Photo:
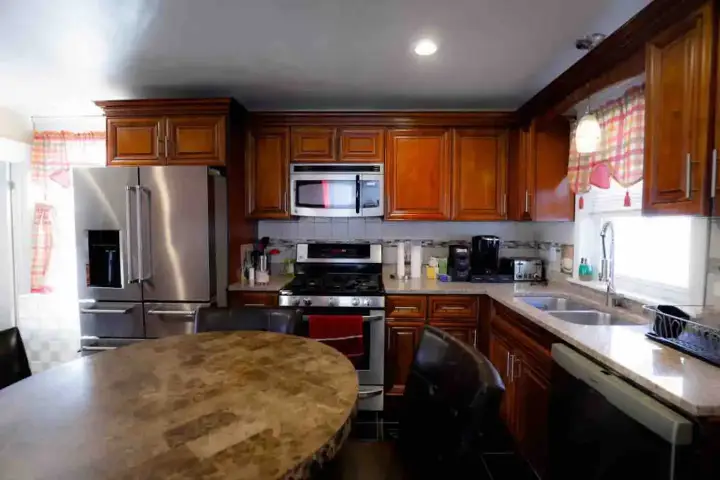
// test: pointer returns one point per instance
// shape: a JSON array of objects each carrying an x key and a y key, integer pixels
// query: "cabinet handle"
[
  {"x": 475, "y": 338},
  {"x": 166, "y": 145},
  {"x": 504, "y": 205},
  {"x": 508, "y": 370},
  {"x": 527, "y": 201},
  {"x": 412, "y": 309},
  {"x": 254, "y": 305},
  {"x": 161, "y": 153},
  {"x": 519, "y": 364},
  {"x": 713, "y": 178},
  {"x": 452, "y": 307},
  {"x": 688, "y": 176}
]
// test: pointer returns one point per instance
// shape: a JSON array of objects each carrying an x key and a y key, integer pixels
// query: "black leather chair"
[
  {"x": 452, "y": 399},
  {"x": 278, "y": 320},
  {"x": 14, "y": 365}
]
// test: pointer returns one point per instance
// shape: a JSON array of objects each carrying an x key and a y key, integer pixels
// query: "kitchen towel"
[{"x": 342, "y": 332}]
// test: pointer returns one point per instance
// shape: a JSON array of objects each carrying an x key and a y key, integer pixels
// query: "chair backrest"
[
  {"x": 452, "y": 395},
  {"x": 214, "y": 319},
  {"x": 14, "y": 365}
]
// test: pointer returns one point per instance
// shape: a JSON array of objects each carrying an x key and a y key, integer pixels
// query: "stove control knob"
[
  {"x": 366, "y": 302},
  {"x": 355, "y": 302},
  {"x": 296, "y": 302},
  {"x": 307, "y": 302},
  {"x": 332, "y": 302}
]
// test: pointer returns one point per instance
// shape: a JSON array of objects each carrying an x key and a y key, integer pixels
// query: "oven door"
[
  {"x": 337, "y": 195},
  {"x": 370, "y": 366}
]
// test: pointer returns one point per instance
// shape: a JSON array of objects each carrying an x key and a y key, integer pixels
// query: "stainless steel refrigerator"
[{"x": 151, "y": 250}]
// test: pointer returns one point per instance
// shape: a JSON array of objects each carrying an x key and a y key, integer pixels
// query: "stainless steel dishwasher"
[{"x": 601, "y": 427}]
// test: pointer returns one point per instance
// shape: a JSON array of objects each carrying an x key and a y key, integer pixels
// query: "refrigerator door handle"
[
  {"x": 142, "y": 236},
  {"x": 139, "y": 237},
  {"x": 128, "y": 234}
]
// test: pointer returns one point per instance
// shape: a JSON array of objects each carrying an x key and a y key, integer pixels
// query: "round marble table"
[{"x": 241, "y": 405}]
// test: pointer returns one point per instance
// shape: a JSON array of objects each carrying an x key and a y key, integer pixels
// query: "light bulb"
[{"x": 588, "y": 134}]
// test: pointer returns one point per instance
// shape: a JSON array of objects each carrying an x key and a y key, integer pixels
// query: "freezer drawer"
[
  {"x": 93, "y": 345},
  {"x": 111, "y": 319},
  {"x": 167, "y": 319}
]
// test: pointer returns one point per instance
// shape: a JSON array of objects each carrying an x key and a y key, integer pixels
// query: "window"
[{"x": 656, "y": 258}]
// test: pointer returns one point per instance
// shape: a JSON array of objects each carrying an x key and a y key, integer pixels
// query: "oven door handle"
[{"x": 363, "y": 394}]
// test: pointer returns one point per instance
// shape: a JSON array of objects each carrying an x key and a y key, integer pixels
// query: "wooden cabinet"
[
  {"x": 169, "y": 132},
  {"x": 453, "y": 306},
  {"x": 193, "y": 140},
  {"x": 362, "y": 145},
  {"x": 479, "y": 174},
  {"x": 406, "y": 306},
  {"x": 539, "y": 189},
  {"x": 679, "y": 69},
  {"x": 266, "y": 173},
  {"x": 314, "y": 144},
  {"x": 520, "y": 352},
  {"x": 417, "y": 174},
  {"x": 402, "y": 340},
  {"x": 253, "y": 299},
  {"x": 135, "y": 141},
  {"x": 465, "y": 331}
]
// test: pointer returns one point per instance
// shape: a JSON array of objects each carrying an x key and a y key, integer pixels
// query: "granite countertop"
[
  {"x": 276, "y": 283},
  {"x": 251, "y": 405},
  {"x": 684, "y": 381}
]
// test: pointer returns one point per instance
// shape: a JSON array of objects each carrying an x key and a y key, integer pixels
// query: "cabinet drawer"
[
  {"x": 449, "y": 306},
  {"x": 253, "y": 299},
  {"x": 406, "y": 306}
]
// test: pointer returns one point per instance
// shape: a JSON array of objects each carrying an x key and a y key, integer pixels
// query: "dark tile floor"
[{"x": 370, "y": 454}]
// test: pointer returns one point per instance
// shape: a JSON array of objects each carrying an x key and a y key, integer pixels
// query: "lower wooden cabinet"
[
  {"x": 464, "y": 331},
  {"x": 500, "y": 357},
  {"x": 253, "y": 299},
  {"x": 402, "y": 340}
]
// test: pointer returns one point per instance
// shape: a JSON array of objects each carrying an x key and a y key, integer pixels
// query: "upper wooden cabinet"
[
  {"x": 479, "y": 174},
  {"x": 314, "y": 144},
  {"x": 135, "y": 141},
  {"x": 168, "y": 132},
  {"x": 193, "y": 140},
  {"x": 266, "y": 172},
  {"x": 417, "y": 174},
  {"x": 539, "y": 188},
  {"x": 362, "y": 145},
  {"x": 679, "y": 70}
]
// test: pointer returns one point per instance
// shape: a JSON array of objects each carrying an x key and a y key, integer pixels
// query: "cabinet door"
[
  {"x": 266, "y": 173},
  {"x": 521, "y": 173},
  {"x": 314, "y": 144},
  {"x": 500, "y": 353},
  {"x": 135, "y": 141},
  {"x": 550, "y": 196},
  {"x": 362, "y": 145},
  {"x": 195, "y": 140},
  {"x": 532, "y": 394},
  {"x": 417, "y": 177},
  {"x": 479, "y": 169},
  {"x": 678, "y": 106},
  {"x": 464, "y": 331},
  {"x": 253, "y": 299},
  {"x": 402, "y": 340}
]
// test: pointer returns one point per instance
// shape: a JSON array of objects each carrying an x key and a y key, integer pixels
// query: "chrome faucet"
[{"x": 607, "y": 267}]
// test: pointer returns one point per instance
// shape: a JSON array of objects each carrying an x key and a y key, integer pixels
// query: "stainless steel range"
[{"x": 345, "y": 279}]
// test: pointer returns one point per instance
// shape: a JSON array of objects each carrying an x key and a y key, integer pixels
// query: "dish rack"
[{"x": 674, "y": 328}]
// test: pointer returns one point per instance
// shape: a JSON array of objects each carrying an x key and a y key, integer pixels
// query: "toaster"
[{"x": 526, "y": 269}]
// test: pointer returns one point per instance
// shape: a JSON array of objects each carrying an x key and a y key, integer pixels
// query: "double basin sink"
[{"x": 572, "y": 311}]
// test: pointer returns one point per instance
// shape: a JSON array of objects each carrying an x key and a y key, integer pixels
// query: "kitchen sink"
[
  {"x": 555, "y": 303},
  {"x": 591, "y": 317}
]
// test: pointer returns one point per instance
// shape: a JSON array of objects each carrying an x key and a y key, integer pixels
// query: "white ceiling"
[{"x": 57, "y": 56}]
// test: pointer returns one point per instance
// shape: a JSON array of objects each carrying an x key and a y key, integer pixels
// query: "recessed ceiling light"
[{"x": 425, "y": 47}]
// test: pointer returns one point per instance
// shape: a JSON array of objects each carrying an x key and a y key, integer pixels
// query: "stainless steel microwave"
[{"x": 337, "y": 190}]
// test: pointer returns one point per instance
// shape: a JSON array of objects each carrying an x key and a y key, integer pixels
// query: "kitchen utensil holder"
[{"x": 674, "y": 328}]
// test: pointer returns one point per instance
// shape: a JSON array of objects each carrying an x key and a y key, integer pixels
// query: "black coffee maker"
[
  {"x": 459, "y": 263},
  {"x": 485, "y": 255}
]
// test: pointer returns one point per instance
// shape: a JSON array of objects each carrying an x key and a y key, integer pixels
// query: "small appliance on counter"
[
  {"x": 485, "y": 261},
  {"x": 523, "y": 269},
  {"x": 458, "y": 263}
]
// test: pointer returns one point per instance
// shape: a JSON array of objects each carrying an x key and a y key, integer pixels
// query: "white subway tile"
[
  {"x": 340, "y": 231},
  {"x": 323, "y": 231}
]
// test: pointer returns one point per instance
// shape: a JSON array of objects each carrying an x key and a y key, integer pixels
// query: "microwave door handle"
[{"x": 357, "y": 194}]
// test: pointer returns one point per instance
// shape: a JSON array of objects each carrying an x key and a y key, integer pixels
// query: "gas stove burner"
[{"x": 336, "y": 284}]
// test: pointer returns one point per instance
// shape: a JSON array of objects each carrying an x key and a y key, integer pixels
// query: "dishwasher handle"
[{"x": 656, "y": 417}]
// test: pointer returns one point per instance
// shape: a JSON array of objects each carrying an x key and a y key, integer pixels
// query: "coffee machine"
[
  {"x": 459, "y": 264},
  {"x": 485, "y": 255}
]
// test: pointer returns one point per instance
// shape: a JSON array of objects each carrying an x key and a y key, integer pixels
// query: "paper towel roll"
[
  {"x": 416, "y": 261},
  {"x": 400, "y": 261}
]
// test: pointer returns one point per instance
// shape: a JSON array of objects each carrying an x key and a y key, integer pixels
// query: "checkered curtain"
[
  {"x": 622, "y": 147},
  {"x": 53, "y": 153}
]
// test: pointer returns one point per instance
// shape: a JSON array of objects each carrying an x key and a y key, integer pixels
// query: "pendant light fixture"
[{"x": 588, "y": 132}]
